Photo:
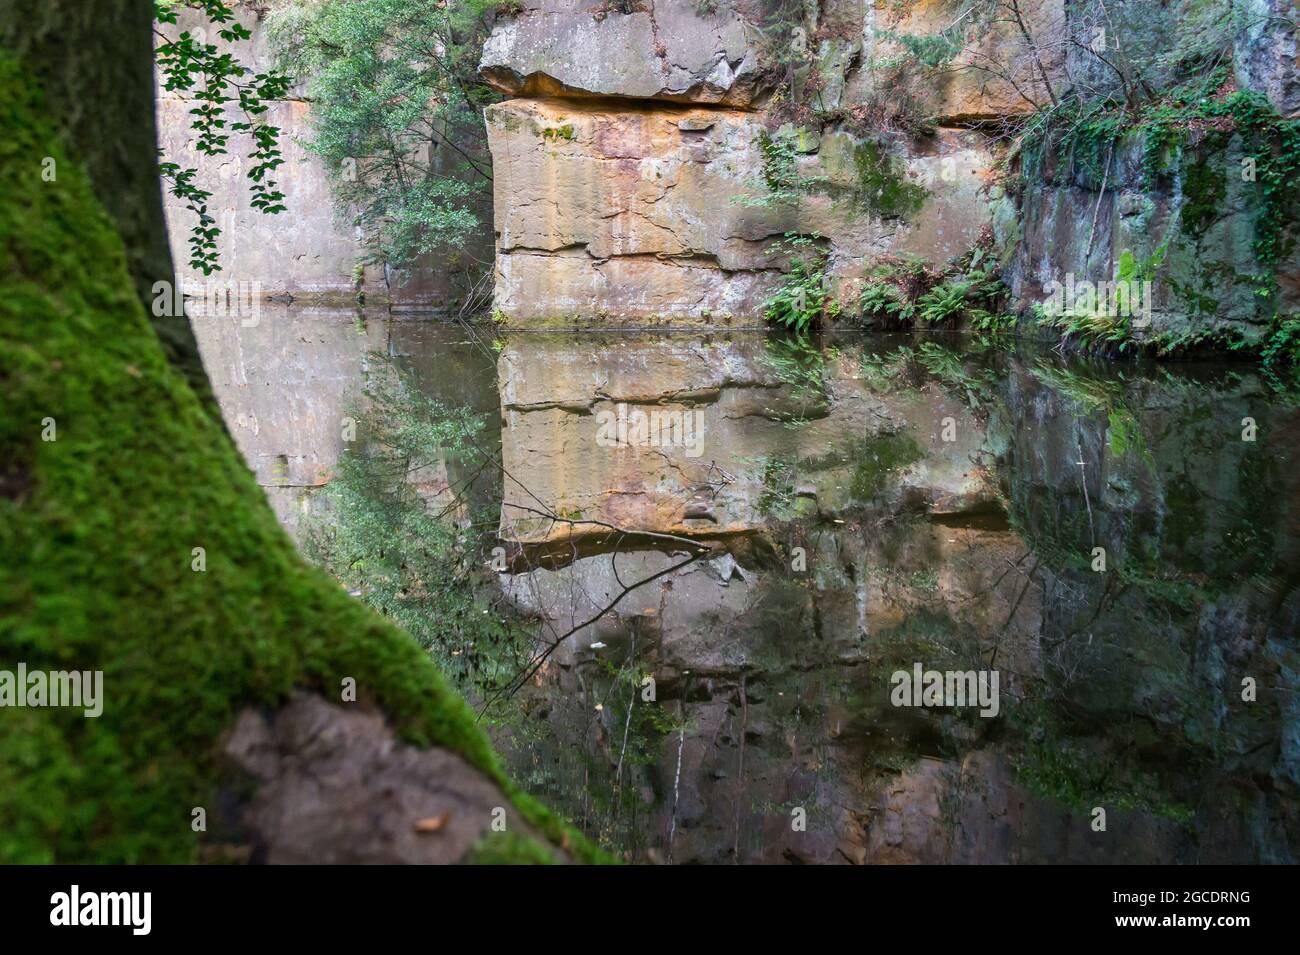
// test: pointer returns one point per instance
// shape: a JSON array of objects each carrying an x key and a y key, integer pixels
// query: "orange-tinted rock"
[{"x": 607, "y": 215}]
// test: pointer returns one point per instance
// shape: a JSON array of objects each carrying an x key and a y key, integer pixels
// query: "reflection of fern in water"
[
  {"x": 1091, "y": 394},
  {"x": 777, "y": 498},
  {"x": 883, "y": 372},
  {"x": 947, "y": 367},
  {"x": 799, "y": 363},
  {"x": 931, "y": 361},
  {"x": 873, "y": 465}
]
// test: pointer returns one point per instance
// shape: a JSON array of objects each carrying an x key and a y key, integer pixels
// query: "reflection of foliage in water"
[
  {"x": 1098, "y": 394},
  {"x": 798, "y": 362},
  {"x": 777, "y": 497},
  {"x": 931, "y": 361},
  {"x": 877, "y": 460},
  {"x": 873, "y": 464},
  {"x": 949, "y": 369},
  {"x": 1127, "y": 649},
  {"x": 594, "y": 755},
  {"x": 405, "y": 542},
  {"x": 1112, "y": 711},
  {"x": 409, "y": 539},
  {"x": 883, "y": 372},
  {"x": 1067, "y": 768}
]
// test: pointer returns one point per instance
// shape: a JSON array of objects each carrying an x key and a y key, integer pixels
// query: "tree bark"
[{"x": 94, "y": 60}]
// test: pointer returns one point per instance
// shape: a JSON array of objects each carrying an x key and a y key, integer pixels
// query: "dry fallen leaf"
[{"x": 433, "y": 823}]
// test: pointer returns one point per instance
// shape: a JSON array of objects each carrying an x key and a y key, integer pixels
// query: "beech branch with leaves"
[{"x": 213, "y": 80}]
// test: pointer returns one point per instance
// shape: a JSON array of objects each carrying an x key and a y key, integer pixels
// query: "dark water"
[{"x": 1113, "y": 547}]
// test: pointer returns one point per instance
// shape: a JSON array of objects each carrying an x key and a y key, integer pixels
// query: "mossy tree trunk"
[
  {"x": 94, "y": 61},
  {"x": 135, "y": 545}
]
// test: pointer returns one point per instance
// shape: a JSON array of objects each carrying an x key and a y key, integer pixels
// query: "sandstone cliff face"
[
  {"x": 988, "y": 81},
  {"x": 632, "y": 171},
  {"x": 307, "y": 252},
  {"x": 609, "y": 214},
  {"x": 659, "y": 51}
]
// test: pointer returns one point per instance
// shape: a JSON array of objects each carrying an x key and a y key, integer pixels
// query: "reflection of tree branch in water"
[
  {"x": 535, "y": 664},
  {"x": 542, "y": 510},
  {"x": 1029, "y": 579},
  {"x": 539, "y": 659},
  {"x": 1057, "y": 649},
  {"x": 627, "y": 724},
  {"x": 740, "y": 767},
  {"x": 677, "y": 778},
  {"x": 458, "y": 490}
]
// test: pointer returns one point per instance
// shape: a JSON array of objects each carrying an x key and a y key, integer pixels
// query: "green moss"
[
  {"x": 1168, "y": 129},
  {"x": 1229, "y": 162},
  {"x": 1056, "y": 766},
  {"x": 1204, "y": 188},
  {"x": 883, "y": 189},
  {"x": 880, "y": 460},
  {"x": 96, "y": 537},
  {"x": 508, "y": 848},
  {"x": 1270, "y": 141},
  {"x": 559, "y": 132}
]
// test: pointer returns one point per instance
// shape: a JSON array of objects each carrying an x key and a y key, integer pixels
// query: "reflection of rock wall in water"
[
  {"x": 741, "y": 647},
  {"x": 852, "y": 540},
  {"x": 792, "y": 664},
  {"x": 284, "y": 385},
  {"x": 1200, "y": 530},
  {"x": 744, "y": 394},
  {"x": 289, "y": 378},
  {"x": 1119, "y": 689}
]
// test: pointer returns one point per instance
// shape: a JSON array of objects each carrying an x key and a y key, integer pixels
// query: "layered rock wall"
[
  {"x": 1187, "y": 202},
  {"x": 635, "y": 169},
  {"x": 1191, "y": 226},
  {"x": 609, "y": 213},
  {"x": 657, "y": 155}
]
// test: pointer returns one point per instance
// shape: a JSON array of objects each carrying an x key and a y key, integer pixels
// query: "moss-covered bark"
[
  {"x": 97, "y": 531},
  {"x": 94, "y": 61}
]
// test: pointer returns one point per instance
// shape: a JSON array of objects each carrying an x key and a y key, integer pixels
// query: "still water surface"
[{"x": 1104, "y": 554}]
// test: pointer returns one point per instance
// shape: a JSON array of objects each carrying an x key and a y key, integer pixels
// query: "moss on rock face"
[
  {"x": 880, "y": 460},
  {"x": 883, "y": 189},
  {"x": 97, "y": 535},
  {"x": 559, "y": 132},
  {"x": 1201, "y": 183},
  {"x": 1204, "y": 190}
]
